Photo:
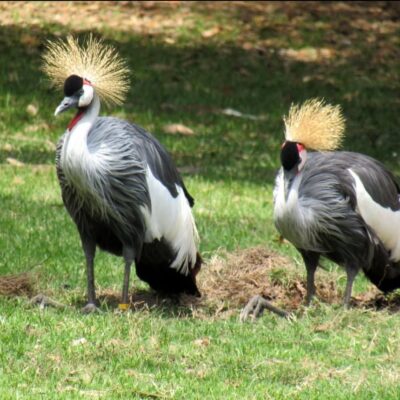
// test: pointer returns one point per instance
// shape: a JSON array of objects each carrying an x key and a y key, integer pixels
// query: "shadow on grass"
[{"x": 191, "y": 84}]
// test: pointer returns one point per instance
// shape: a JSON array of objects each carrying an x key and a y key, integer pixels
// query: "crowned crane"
[
  {"x": 118, "y": 183},
  {"x": 341, "y": 205}
]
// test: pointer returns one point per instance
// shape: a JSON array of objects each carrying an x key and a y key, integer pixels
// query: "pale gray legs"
[
  {"x": 89, "y": 248},
  {"x": 311, "y": 262},
  {"x": 257, "y": 304},
  {"x": 129, "y": 257},
  {"x": 351, "y": 275}
]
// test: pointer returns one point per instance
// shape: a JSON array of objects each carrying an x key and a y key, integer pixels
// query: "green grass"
[{"x": 327, "y": 353}]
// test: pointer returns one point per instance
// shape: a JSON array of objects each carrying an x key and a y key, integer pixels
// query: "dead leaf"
[
  {"x": 86, "y": 378},
  {"x": 14, "y": 162},
  {"x": 32, "y": 110},
  {"x": 198, "y": 373},
  {"x": 78, "y": 342},
  {"x": 323, "y": 328},
  {"x": 247, "y": 46},
  {"x": 202, "y": 342},
  {"x": 30, "y": 40},
  {"x": 300, "y": 288},
  {"x": 7, "y": 147},
  {"x": 243, "y": 71},
  {"x": 210, "y": 32},
  {"x": 160, "y": 67},
  {"x": 17, "y": 181},
  {"x": 235, "y": 113},
  {"x": 13, "y": 76},
  {"x": 180, "y": 129},
  {"x": 148, "y": 5},
  {"x": 307, "y": 54},
  {"x": 169, "y": 40}
]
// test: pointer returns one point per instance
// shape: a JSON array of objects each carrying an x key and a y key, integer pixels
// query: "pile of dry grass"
[
  {"x": 228, "y": 281},
  {"x": 16, "y": 285}
]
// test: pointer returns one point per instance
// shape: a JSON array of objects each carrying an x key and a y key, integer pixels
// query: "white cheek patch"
[
  {"x": 383, "y": 220},
  {"x": 87, "y": 96},
  {"x": 303, "y": 158}
]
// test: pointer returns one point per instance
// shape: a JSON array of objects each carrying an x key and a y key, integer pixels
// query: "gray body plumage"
[
  {"x": 317, "y": 211},
  {"x": 108, "y": 198},
  {"x": 115, "y": 196},
  {"x": 118, "y": 183}
]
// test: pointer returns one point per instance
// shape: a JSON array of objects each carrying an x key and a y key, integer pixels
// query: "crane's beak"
[{"x": 68, "y": 102}]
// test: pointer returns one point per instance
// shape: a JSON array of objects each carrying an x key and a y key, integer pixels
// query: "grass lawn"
[{"x": 192, "y": 63}]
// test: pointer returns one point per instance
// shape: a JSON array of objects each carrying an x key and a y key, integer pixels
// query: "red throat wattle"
[
  {"x": 75, "y": 120},
  {"x": 80, "y": 113}
]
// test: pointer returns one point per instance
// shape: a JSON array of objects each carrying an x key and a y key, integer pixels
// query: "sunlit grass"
[{"x": 229, "y": 164}]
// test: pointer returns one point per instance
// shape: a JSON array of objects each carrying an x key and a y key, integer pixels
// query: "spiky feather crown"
[
  {"x": 100, "y": 64},
  {"x": 315, "y": 124}
]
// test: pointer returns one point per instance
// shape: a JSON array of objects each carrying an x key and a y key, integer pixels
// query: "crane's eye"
[{"x": 81, "y": 92}]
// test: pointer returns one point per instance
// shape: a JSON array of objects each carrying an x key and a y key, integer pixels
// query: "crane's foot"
[
  {"x": 347, "y": 304},
  {"x": 257, "y": 305},
  {"x": 122, "y": 308},
  {"x": 43, "y": 301},
  {"x": 308, "y": 300},
  {"x": 90, "y": 308}
]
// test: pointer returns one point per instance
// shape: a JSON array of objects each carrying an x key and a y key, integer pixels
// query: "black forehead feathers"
[
  {"x": 72, "y": 84},
  {"x": 289, "y": 155}
]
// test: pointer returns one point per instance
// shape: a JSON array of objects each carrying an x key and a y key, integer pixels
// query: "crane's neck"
[{"x": 76, "y": 159}]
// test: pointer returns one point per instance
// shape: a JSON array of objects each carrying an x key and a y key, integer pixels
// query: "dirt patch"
[{"x": 228, "y": 281}]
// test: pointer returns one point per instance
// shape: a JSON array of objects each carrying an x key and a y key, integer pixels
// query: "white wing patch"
[
  {"x": 171, "y": 218},
  {"x": 384, "y": 221}
]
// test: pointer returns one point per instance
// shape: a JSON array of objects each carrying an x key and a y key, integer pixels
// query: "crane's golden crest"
[
  {"x": 315, "y": 124},
  {"x": 94, "y": 61}
]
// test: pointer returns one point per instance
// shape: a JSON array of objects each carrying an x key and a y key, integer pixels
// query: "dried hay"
[
  {"x": 16, "y": 285},
  {"x": 227, "y": 283},
  {"x": 229, "y": 280}
]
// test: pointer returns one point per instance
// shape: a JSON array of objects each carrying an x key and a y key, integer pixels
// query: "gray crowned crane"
[
  {"x": 118, "y": 183},
  {"x": 341, "y": 205}
]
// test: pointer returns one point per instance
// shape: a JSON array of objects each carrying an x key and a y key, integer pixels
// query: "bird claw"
[
  {"x": 90, "y": 308},
  {"x": 256, "y": 306},
  {"x": 250, "y": 309},
  {"x": 43, "y": 301}
]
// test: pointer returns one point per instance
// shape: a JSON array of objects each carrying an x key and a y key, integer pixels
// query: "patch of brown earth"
[{"x": 228, "y": 281}]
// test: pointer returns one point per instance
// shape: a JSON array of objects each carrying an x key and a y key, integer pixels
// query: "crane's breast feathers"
[
  {"x": 317, "y": 205},
  {"x": 126, "y": 177},
  {"x": 311, "y": 209}
]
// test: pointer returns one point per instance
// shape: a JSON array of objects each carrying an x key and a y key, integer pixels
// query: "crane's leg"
[
  {"x": 351, "y": 275},
  {"x": 89, "y": 248},
  {"x": 129, "y": 257},
  {"x": 311, "y": 261}
]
